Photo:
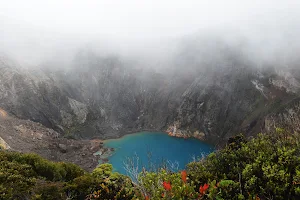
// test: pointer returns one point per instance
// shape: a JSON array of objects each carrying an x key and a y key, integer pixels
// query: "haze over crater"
[
  {"x": 204, "y": 69},
  {"x": 35, "y": 31}
]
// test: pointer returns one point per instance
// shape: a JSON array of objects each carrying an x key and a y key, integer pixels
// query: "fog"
[{"x": 35, "y": 32}]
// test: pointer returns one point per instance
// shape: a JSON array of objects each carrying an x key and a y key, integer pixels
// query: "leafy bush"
[
  {"x": 20, "y": 172},
  {"x": 265, "y": 167},
  {"x": 16, "y": 180},
  {"x": 102, "y": 183},
  {"x": 43, "y": 168},
  {"x": 165, "y": 184},
  {"x": 111, "y": 185},
  {"x": 49, "y": 191}
]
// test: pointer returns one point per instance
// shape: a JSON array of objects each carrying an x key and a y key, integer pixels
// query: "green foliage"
[
  {"x": 16, "y": 180},
  {"x": 20, "y": 172},
  {"x": 43, "y": 168},
  {"x": 102, "y": 183},
  {"x": 70, "y": 171},
  {"x": 29, "y": 176},
  {"x": 49, "y": 191},
  {"x": 265, "y": 167},
  {"x": 103, "y": 171},
  {"x": 152, "y": 186},
  {"x": 81, "y": 186},
  {"x": 111, "y": 185}
]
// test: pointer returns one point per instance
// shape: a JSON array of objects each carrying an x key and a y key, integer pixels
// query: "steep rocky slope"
[
  {"x": 105, "y": 97},
  {"x": 27, "y": 136},
  {"x": 238, "y": 100}
]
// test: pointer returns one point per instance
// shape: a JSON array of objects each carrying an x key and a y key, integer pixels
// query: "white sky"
[
  {"x": 37, "y": 30},
  {"x": 144, "y": 19}
]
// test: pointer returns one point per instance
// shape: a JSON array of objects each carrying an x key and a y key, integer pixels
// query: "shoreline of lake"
[
  {"x": 159, "y": 131},
  {"x": 161, "y": 143}
]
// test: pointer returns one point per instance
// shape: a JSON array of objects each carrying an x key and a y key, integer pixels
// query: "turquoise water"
[{"x": 160, "y": 146}]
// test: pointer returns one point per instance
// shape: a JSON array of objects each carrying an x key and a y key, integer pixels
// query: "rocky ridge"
[
  {"x": 27, "y": 136},
  {"x": 106, "y": 97}
]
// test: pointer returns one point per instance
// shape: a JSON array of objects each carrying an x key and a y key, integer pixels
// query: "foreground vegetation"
[{"x": 266, "y": 167}]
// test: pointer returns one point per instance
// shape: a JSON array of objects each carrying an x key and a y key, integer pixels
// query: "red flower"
[
  {"x": 167, "y": 185},
  {"x": 147, "y": 197},
  {"x": 203, "y": 188},
  {"x": 183, "y": 176},
  {"x": 163, "y": 195}
]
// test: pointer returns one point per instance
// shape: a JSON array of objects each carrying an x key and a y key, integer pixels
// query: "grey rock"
[
  {"x": 108, "y": 98},
  {"x": 63, "y": 148}
]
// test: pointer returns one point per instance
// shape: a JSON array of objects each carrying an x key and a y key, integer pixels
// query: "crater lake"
[{"x": 153, "y": 150}]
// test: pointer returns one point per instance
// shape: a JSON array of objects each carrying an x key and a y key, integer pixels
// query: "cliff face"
[
  {"x": 106, "y": 97},
  {"x": 237, "y": 100}
]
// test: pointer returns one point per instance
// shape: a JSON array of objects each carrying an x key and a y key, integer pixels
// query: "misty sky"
[
  {"x": 147, "y": 19},
  {"x": 32, "y": 31}
]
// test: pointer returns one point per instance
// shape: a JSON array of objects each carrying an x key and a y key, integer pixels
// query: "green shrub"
[
  {"x": 16, "y": 180},
  {"x": 49, "y": 191},
  {"x": 265, "y": 167},
  {"x": 19, "y": 173},
  {"x": 111, "y": 185},
  {"x": 167, "y": 185}
]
